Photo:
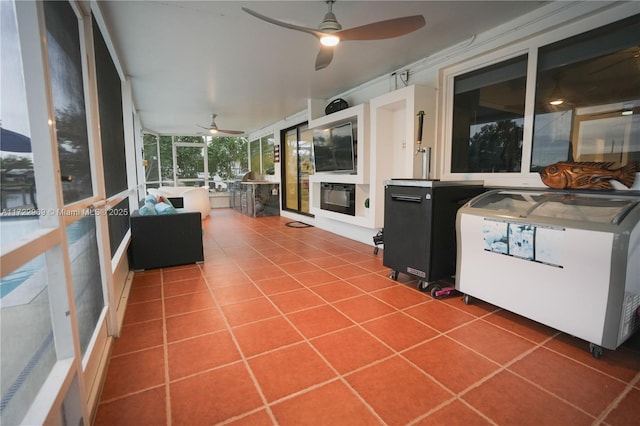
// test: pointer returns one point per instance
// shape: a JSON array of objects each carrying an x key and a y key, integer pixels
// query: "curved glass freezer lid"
[{"x": 587, "y": 207}]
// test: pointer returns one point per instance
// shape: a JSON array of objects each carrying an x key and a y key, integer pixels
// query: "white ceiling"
[{"x": 188, "y": 59}]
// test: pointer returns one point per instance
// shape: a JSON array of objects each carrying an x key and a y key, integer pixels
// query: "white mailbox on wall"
[{"x": 566, "y": 259}]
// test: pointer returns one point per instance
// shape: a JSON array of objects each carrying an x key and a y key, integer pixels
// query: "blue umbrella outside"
[{"x": 14, "y": 142}]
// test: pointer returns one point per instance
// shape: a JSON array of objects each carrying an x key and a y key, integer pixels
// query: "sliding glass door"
[{"x": 298, "y": 166}]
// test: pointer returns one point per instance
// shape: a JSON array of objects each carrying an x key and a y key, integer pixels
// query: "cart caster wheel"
[
  {"x": 423, "y": 285},
  {"x": 435, "y": 289},
  {"x": 466, "y": 299},
  {"x": 596, "y": 351},
  {"x": 394, "y": 275},
  {"x": 375, "y": 250}
]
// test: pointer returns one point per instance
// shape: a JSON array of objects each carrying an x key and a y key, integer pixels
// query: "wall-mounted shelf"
[
  {"x": 386, "y": 133},
  {"x": 359, "y": 115}
]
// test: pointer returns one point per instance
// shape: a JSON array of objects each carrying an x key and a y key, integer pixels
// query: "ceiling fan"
[
  {"x": 330, "y": 32},
  {"x": 213, "y": 127}
]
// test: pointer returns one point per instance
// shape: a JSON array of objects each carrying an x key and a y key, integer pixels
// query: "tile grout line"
[
  {"x": 339, "y": 376},
  {"x": 541, "y": 345},
  {"x": 359, "y": 325},
  {"x": 165, "y": 351},
  {"x": 394, "y": 352},
  {"x": 588, "y": 366},
  {"x": 616, "y": 401},
  {"x": 243, "y": 358}
]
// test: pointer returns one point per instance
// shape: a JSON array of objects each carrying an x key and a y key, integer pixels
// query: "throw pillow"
[
  {"x": 164, "y": 208},
  {"x": 147, "y": 210},
  {"x": 164, "y": 199}
]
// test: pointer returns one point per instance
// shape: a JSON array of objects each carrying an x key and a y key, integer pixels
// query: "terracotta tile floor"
[{"x": 298, "y": 326}]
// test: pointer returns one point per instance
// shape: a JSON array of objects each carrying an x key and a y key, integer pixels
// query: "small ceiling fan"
[
  {"x": 213, "y": 127},
  {"x": 330, "y": 32}
]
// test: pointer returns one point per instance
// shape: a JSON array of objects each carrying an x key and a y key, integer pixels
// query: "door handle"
[{"x": 407, "y": 198}]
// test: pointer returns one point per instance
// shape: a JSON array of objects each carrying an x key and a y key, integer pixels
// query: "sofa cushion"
[
  {"x": 165, "y": 208},
  {"x": 150, "y": 199},
  {"x": 149, "y": 209}
]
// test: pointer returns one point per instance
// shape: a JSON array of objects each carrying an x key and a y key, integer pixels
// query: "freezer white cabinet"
[{"x": 569, "y": 260}]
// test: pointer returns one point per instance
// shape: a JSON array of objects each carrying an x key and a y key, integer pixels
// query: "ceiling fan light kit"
[
  {"x": 330, "y": 32},
  {"x": 330, "y": 40}
]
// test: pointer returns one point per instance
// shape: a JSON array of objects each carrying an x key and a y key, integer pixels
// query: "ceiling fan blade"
[
  {"x": 325, "y": 55},
  {"x": 383, "y": 29},
  {"x": 231, "y": 132},
  {"x": 202, "y": 127},
  {"x": 311, "y": 31}
]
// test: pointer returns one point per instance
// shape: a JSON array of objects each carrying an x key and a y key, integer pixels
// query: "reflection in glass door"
[
  {"x": 67, "y": 86},
  {"x": 298, "y": 167}
]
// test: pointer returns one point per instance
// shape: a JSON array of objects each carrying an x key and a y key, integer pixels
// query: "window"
[
  {"x": 262, "y": 155},
  {"x": 17, "y": 180},
  {"x": 190, "y": 160},
  {"x": 254, "y": 156},
  {"x": 112, "y": 138},
  {"x": 488, "y": 118},
  {"x": 268, "y": 147},
  {"x": 228, "y": 159},
  {"x": 585, "y": 105},
  {"x": 588, "y": 97},
  {"x": 111, "y": 115},
  {"x": 151, "y": 160},
  {"x": 65, "y": 67},
  {"x": 182, "y": 160},
  {"x": 198, "y": 160}
]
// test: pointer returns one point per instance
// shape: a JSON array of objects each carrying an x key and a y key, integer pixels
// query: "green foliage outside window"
[{"x": 227, "y": 156}]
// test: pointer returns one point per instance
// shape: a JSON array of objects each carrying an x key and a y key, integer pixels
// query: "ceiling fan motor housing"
[{"x": 330, "y": 23}]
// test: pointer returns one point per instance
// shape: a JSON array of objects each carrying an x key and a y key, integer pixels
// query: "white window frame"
[
  {"x": 530, "y": 47},
  {"x": 205, "y": 155},
  {"x": 73, "y": 384}
]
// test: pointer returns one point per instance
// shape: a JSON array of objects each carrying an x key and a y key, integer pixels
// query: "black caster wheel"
[
  {"x": 375, "y": 250},
  {"x": 394, "y": 275},
  {"x": 435, "y": 289},
  {"x": 596, "y": 351},
  {"x": 466, "y": 299},
  {"x": 423, "y": 285}
]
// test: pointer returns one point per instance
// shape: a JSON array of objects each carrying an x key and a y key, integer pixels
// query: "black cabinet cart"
[{"x": 420, "y": 228}]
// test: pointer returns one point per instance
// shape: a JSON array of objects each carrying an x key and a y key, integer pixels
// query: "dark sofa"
[{"x": 165, "y": 240}]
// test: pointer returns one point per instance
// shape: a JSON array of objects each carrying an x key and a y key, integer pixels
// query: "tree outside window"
[{"x": 228, "y": 157}]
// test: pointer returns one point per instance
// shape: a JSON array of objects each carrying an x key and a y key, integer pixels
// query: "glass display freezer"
[{"x": 566, "y": 259}]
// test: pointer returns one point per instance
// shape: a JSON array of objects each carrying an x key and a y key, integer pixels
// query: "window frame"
[
  {"x": 529, "y": 47},
  {"x": 69, "y": 391},
  {"x": 261, "y": 142},
  {"x": 205, "y": 158}
]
